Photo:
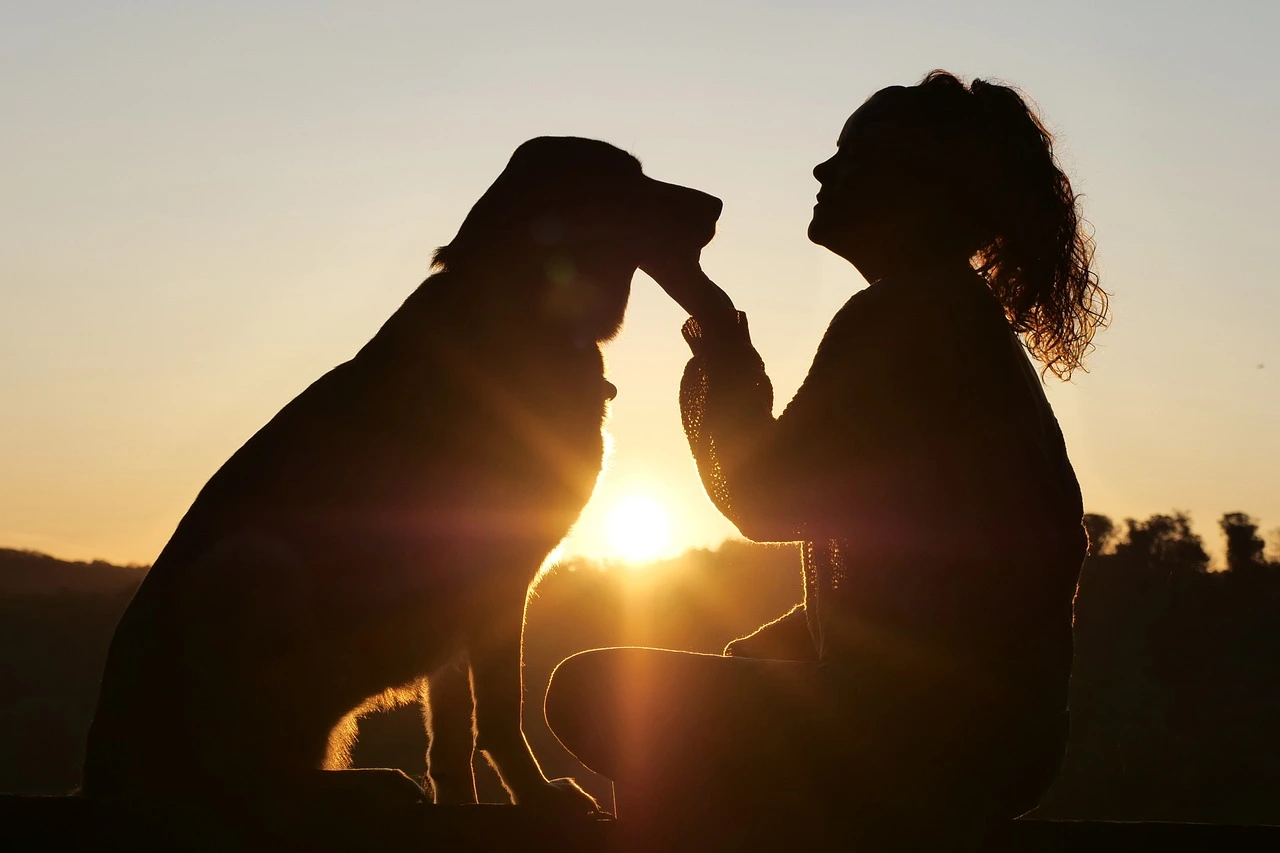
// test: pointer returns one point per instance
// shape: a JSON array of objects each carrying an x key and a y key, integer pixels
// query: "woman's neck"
[{"x": 883, "y": 266}]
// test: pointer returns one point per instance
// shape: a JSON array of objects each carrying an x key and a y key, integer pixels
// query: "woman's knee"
[
  {"x": 579, "y": 705},
  {"x": 591, "y": 685},
  {"x": 567, "y": 691}
]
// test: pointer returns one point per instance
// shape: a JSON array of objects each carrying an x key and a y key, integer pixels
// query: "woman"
[{"x": 921, "y": 466}]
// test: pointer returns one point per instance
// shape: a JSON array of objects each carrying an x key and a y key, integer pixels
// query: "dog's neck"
[
  {"x": 542, "y": 302},
  {"x": 450, "y": 306}
]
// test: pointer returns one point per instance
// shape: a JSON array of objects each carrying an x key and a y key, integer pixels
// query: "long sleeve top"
[{"x": 923, "y": 470}]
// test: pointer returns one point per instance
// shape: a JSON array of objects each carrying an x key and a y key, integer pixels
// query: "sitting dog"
[{"x": 388, "y": 522}]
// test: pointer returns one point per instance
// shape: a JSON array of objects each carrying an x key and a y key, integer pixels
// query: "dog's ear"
[{"x": 492, "y": 221}]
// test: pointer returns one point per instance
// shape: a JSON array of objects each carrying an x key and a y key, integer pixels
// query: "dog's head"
[{"x": 559, "y": 234}]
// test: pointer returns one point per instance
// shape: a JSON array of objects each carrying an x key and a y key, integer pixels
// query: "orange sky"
[{"x": 209, "y": 206}]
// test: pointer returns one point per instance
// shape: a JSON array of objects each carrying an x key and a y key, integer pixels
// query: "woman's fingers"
[{"x": 689, "y": 286}]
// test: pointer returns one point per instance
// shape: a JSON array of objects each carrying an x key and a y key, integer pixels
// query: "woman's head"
[{"x": 943, "y": 172}]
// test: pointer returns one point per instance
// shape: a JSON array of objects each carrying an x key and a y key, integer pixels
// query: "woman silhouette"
[{"x": 920, "y": 464}]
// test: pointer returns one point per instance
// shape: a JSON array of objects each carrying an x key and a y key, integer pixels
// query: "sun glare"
[{"x": 638, "y": 528}]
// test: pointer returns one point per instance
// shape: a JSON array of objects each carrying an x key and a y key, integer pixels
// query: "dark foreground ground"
[{"x": 69, "y": 823}]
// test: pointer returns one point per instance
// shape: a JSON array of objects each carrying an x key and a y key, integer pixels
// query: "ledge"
[{"x": 31, "y": 823}]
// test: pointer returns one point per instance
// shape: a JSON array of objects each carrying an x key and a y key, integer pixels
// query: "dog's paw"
[{"x": 564, "y": 796}]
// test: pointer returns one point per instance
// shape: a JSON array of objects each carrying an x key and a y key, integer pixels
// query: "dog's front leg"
[
  {"x": 497, "y": 685},
  {"x": 447, "y": 699}
]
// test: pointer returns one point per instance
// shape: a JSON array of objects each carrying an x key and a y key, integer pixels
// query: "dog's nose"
[
  {"x": 686, "y": 202},
  {"x": 712, "y": 205}
]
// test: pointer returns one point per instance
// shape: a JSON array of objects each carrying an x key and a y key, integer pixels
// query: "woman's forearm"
[
  {"x": 713, "y": 309},
  {"x": 697, "y": 294},
  {"x": 744, "y": 455}
]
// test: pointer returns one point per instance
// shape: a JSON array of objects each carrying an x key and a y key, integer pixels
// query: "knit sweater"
[{"x": 922, "y": 468}]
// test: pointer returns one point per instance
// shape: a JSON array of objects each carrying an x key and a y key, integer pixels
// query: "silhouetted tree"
[
  {"x": 1165, "y": 544},
  {"x": 1244, "y": 545},
  {"x": 1101, "y": 530}
]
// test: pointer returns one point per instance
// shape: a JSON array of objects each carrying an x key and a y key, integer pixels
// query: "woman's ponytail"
[{"x": 1036, "y": 252}]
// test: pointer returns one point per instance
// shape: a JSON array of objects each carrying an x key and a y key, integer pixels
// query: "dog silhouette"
[{"x": 385, "y": 526}]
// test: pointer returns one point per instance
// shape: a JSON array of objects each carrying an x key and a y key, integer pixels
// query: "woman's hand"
[
  {"x": 785, "y": 638},
  {"x": 684, "y": 281}
]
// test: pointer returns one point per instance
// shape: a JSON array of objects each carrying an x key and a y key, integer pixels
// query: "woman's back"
[{"x": 970, "y": 550}]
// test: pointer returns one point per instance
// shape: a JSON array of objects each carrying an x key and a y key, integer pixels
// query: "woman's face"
[
  {"x": 858, "y": 178},
  {"x": 875, "y": 195}
]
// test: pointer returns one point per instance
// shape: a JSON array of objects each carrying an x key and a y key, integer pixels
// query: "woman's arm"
[
  {"x": 726, "y": 407},
  {"x": 684, "y": 281},
  {"x": 755, "y": 468},
  {"x": 863, "y": 441}
]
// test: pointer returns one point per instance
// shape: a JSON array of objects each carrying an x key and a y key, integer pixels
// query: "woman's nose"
[{"x": 823, "y": 169}]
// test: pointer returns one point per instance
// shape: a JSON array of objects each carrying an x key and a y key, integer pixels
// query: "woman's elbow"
[
  {"x": 760, "y": 497},
  {"x": 765, "y": 524}
]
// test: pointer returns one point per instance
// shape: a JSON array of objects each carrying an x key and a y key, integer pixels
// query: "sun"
[{"x": 639, "y": 528}]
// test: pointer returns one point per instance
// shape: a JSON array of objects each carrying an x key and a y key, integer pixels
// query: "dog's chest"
[
  {"x": 524, "y": 427},
  {"x": 548, "y": 418}
]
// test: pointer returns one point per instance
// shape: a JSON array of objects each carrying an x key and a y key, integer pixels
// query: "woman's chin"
[
  {"x": 819, "y": 230},
  {"x": 834, "y": 234}
]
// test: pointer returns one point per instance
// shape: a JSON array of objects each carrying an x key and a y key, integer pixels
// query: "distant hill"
[
  {"x": 56, "y": 619},
  {"x": 33, "y": 573}
]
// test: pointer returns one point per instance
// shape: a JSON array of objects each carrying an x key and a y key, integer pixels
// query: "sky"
[{"x": 203, "y": 207}]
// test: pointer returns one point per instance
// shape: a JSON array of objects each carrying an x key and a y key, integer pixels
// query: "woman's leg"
[
  {"x": 769, "y": 748},
  {"x": 681, "y": 733}
]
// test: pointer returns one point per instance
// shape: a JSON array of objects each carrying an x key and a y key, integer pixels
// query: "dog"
[{"x": 386, "y": 525}]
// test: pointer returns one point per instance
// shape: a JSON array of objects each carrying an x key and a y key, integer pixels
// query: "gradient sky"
[{"x": 206, "y": 206}]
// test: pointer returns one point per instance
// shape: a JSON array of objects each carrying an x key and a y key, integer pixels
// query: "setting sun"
[{"x": 638, "y": 528}]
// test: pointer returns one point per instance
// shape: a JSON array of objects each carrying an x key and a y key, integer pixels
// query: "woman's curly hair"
[{"x": 1033, "y": 247}]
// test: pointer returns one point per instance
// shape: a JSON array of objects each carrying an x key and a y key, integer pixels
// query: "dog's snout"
[
  {"x": 677, "y": 210},
  {"x": 703, "y": 211},
  {"x": 685, "y": 202}
]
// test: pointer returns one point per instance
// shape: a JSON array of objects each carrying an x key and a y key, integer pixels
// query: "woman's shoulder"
[
  {"x": 945, "y": 308},
  {"x": 883, "y": 302},
  {"x": 929, "y": 290},
  {"x": 950, "y": 287}
]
